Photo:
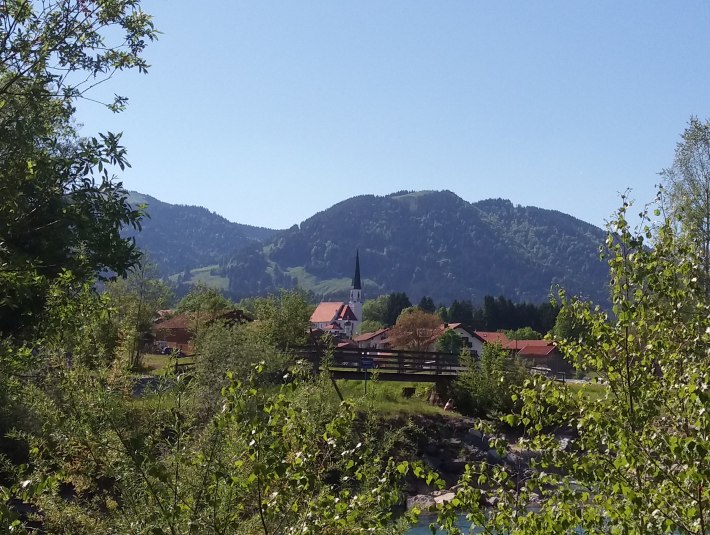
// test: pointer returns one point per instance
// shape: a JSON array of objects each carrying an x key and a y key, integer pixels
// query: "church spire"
[{"x": 357, "y": 285}]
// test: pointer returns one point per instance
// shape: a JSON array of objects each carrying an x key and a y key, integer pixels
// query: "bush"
[
  {"x": 223, "y": 348},
  {"x": 487, "y": 385}
]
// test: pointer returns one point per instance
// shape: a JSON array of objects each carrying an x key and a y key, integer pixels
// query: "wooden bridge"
[{"x": 387, "y": 364}]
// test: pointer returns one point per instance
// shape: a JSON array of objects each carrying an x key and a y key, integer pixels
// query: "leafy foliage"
[
  {"x": 415, "y": 330},
  {"x": 385, "y": 309},
  {"x": 60, "y": 206},
  {"x": 450, "y": 342},
  {"x": 688, "y": 182},
  {"x": 524, "y": 333},
  {"x": 489, "y": 384},
  {"x": 635, "y": 459},
  {"x": 283, "y": 320},
  {"x": 205, "y": 300},
  {"x": 137, "y": 299}
]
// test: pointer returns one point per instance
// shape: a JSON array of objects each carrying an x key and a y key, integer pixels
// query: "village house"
[
  {"x": 178, "y": 332},
  {"x": 539, "y": 354},
  {"x": 174, "y": 333},
  {"x": 374, "y": 340}
]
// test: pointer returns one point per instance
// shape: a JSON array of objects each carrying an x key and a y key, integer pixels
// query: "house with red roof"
[
  {"x": 533, "y": 353},
  {"x": 175, "y": 333},
  {"x": 178, "y": 332},
  {"x": 374, "y": 340}
]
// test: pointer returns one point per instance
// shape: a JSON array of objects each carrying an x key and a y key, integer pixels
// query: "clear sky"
[{"x": 268, "y": 112}]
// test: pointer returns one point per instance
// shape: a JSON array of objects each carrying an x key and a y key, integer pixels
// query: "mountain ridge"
[
  {"x": 429, "y": 243},
  {"x": 181, "y": 237}
]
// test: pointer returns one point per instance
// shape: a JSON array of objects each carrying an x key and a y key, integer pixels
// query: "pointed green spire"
[{"x": 357, "y": 285}]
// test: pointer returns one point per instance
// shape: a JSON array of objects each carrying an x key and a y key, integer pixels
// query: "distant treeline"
[
  {"x": 493, "y": 314},
  {"x": 498, "y": 313}
]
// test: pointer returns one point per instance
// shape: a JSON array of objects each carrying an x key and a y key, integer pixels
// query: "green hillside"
[
  {"x": 180, "y": 238},
  {"x": 428, "y": 243}
]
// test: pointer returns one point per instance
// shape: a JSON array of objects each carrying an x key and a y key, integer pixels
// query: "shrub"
[{"x": 487, "y": 385}]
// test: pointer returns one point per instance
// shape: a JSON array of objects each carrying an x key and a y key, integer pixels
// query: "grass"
[
  {"x": 324, "y": 287},
  {"x": 592, "y": 391},
  {"x": 161, "y": 364},
  {"x": 157, "y": 401},
  {"x": 203, "y": 275},
  {"x": 383, "y": 397},
  {"x": 387, "y": 399}
]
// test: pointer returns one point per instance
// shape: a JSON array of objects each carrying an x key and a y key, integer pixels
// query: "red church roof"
[
  {"x": 329, "y": 311},
  {"x": 326, "y": 312}
]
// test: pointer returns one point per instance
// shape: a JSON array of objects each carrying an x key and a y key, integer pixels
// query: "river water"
[{"x": 422, "y": 527}]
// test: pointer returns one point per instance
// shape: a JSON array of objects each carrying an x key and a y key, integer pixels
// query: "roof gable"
[
  {"x": 326, "y": 312},
  {"x": 346, "y": 314},
  {"x": 181, "y": 321},
  {"x": 365, "y": 337}
]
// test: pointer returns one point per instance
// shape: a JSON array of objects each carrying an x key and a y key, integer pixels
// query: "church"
[{"x": 340, "y": 318}]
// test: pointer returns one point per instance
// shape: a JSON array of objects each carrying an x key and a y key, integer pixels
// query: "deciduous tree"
[
  {"x": 415, "y": 330},
  {"x": 137, "y": 299},
  {"x": 636, "y": 459},
  {"x": 61, "y": 208},
  {"x": 688, "y": 183}
]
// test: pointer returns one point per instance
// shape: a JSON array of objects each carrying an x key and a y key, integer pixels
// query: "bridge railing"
[{"x": 384, "y": 360}]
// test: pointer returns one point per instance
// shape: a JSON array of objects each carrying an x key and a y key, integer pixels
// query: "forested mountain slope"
[
  {"x": 179, "y": 238},
  {"x": 428, "y": 243}
]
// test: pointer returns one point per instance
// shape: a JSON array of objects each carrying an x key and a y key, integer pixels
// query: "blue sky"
[{"x": 267, "y": 112}]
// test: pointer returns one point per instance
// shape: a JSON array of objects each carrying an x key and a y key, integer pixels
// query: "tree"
[
  {"x": 204, "y": 304},
  {"x": 415, "y": 330},
  {"x": 284, "y": 319},
  {"x": 396, "y": 303},
  {"x": 487, "y": 385},
  {"x": 636, "y": 459},
  {"x": 427, "y": 304},
  {"x": 688, "y": 183},
  {"x": 60, "y": 206},
  {"x": 461, "y": 312},
  {"x": 386, "y": 308},
  {"x": 137, "y": 299},
  {"x": 375, "y": 310},
  {"x": 566, "y": 326},
  {"x": 450, "y": 342},
  {"x": 203, "y": 299},
  {"x": 67, "y": 47},
  {"x": 370, "y": 326},
  {"x": 524, "y": 333}
]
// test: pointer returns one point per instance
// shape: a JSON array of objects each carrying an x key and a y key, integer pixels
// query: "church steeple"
[
  {"x": 357, "y": 285},
  {"x": 356, "y": 293}
]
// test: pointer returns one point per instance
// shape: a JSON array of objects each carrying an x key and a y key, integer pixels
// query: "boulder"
[
  {"x": 443, "y": 498},
  {"x": 423, "y": 502}
]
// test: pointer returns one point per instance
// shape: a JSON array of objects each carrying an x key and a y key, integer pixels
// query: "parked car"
[{"x": 177, "y": 353}]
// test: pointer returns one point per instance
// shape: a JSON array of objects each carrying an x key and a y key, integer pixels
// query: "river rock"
[
  {"x": 443, "y": 498},
  {"x": 493, "y": 457},
  {"x": 423, "y": 502}
]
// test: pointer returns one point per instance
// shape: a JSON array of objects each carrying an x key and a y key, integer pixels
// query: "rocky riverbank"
[{"x": 446, "y": 444}]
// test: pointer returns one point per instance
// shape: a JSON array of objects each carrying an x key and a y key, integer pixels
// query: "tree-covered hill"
[
  {"x": 179, "y": 237},
  {"x": 428, "y": 243}
]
